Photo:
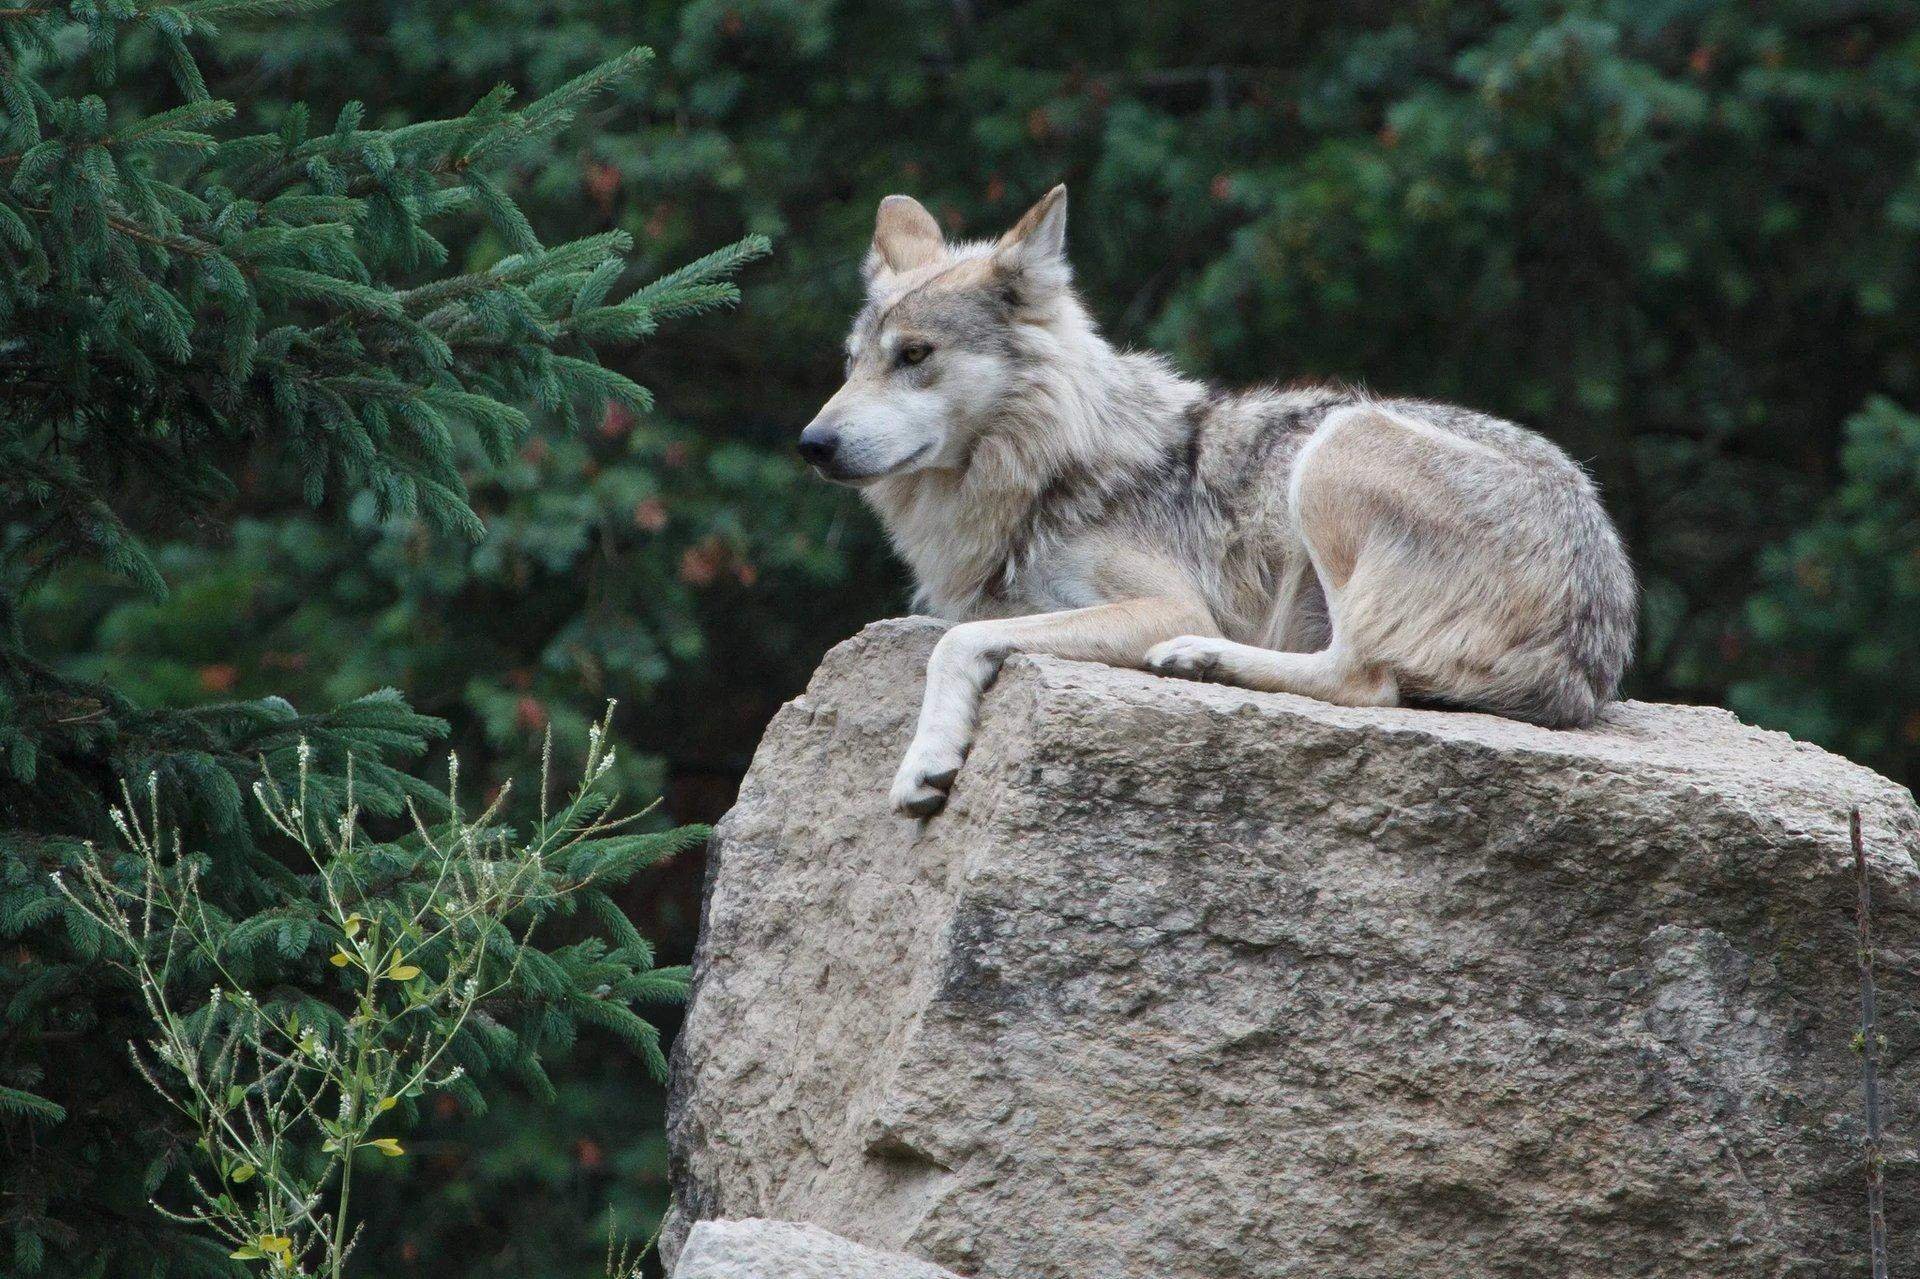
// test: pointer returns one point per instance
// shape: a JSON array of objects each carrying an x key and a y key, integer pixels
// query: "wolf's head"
[{"x": 936, "y": 351}]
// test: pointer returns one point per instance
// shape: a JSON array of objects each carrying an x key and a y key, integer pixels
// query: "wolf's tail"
[{"x": 1597, "y": 623}]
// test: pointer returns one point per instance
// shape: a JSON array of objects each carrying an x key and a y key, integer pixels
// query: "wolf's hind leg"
[
  {"x": 969, "y": 655},
  {"x": 1357, "y": 475},
  {"x": 1332, "y": 675}
]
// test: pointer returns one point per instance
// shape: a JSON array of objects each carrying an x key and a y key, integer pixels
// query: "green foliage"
[
  {"x": 210, "y": 302},
  {"x": 1838, "y": 620},
  {"x": 1677, "y": 238},
  {"x": 612, "y": 554},
  {"x": 285, "y": 1079}
]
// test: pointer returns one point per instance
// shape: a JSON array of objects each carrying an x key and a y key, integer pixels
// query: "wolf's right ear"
[{"x": 905, "y": 238}]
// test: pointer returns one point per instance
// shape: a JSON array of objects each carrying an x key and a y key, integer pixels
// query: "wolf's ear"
[
  {"x": 1034, "y": 252},
  {"x": 905, "y": 237}
]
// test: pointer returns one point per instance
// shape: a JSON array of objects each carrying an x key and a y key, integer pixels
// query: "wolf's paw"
[
  {"x": 1189, "y": 657},
  {"x": 926, "y": 775}
]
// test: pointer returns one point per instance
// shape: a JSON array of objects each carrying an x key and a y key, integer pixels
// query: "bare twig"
[{"x": 1870, "y": 1061}]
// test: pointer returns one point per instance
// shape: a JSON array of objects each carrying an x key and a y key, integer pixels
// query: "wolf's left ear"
[{"x": 1034, "y": 252}]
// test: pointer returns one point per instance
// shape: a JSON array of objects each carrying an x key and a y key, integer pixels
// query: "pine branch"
[
  {"x": 31, "y": 1105},
  {"x": 721, "y": 262},
  {"x": 556, "y": 109},
  {"x": 133, "y": 230}
]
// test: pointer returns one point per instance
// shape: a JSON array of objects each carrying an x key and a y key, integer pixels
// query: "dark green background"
[{"x": 1680, "y": 238}]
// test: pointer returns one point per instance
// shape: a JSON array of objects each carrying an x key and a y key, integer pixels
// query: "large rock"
[
  {"x": 756, "y": 1249},
  {"x": 1196, "y": 983}
]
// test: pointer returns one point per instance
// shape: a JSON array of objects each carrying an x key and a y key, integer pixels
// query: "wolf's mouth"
[{"x": 858, "y": 479}]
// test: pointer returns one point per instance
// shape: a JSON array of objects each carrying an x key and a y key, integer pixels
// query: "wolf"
[{"x": 1053, "y": 494}]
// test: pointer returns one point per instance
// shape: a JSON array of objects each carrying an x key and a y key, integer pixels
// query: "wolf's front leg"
[{"x": 969, "y": 655}]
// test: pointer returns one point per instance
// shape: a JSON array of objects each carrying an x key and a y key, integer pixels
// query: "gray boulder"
[
  {"x": 1195, "y": 983},
  {"x": 756, "y": 1249}
]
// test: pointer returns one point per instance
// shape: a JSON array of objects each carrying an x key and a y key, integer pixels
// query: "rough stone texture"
[
  {"x": 1196, "y": 983},
  {"x": 756, "y": 1249}
]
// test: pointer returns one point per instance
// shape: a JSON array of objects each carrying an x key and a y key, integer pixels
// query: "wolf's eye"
[{"x": 914, "y": 352}]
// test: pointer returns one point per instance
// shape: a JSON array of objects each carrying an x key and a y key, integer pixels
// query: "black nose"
[{"x": 818, "y": 443}]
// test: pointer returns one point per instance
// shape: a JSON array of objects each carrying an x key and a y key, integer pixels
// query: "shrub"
[{"x": 285, "y": 1087}]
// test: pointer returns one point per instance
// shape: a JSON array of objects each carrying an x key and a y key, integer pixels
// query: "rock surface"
[
  {"x": 756, "y": 1249},
  {"x": 1196, "y": 983}
]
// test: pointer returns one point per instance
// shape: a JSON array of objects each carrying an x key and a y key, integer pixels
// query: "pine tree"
[{"x": 194, "y": 295}]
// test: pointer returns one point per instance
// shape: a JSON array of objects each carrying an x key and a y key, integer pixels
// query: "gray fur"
[{"x": 1403, "y": 550}]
